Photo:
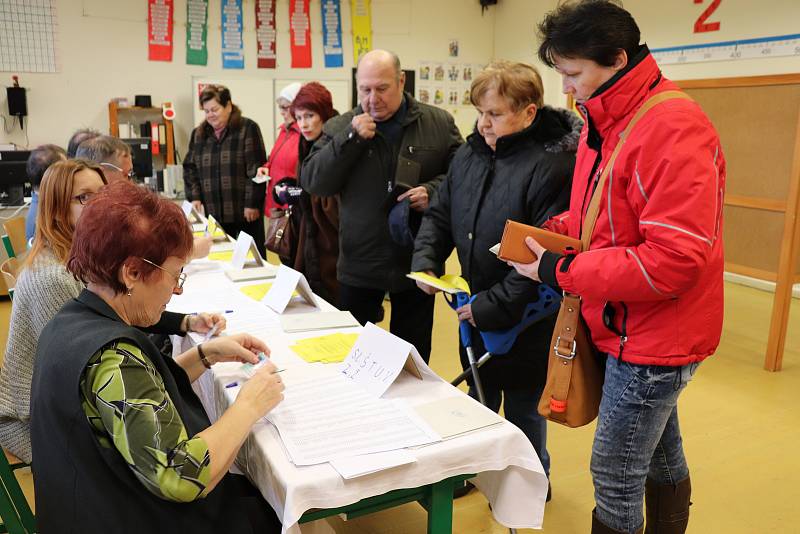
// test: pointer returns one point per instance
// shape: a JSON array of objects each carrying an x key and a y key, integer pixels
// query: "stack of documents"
[
  {"x": 327, "y": 417},
  {"x": 326, "y": 349}
]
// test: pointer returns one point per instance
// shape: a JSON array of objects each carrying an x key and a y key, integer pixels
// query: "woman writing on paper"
[
  {"x": 651, "y": 282},
  {"x": 225, "y": 152},
  {"x": 44, "y": 285},
  {"x": 315, "y": 218},
  {"x": 121, "y": 442},
  {"x": 516, "y": 165}
]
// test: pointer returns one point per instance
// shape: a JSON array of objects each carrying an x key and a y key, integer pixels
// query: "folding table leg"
[{"x": 440, "y": 507}]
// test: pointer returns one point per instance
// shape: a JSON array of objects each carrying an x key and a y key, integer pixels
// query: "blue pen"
[{"x": 232, "y": 385}]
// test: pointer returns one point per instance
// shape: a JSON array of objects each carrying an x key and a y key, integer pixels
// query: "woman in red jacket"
[
  {"x": 651, "y": 281},
  {"x": 282, "y": 161}
]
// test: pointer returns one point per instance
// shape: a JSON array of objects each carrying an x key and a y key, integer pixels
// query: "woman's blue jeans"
[{"x": 637, "y": 438}]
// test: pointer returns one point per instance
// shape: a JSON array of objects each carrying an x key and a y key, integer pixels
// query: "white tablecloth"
[{"x": 509, "y": 472}]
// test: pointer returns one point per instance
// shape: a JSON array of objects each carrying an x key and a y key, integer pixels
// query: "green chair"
[
  {"x": 15, "y": 512},
  {"x": 8, "y": 246}
]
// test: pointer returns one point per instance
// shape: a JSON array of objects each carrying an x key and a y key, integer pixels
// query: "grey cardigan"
[{"x": 42, "y": 289}]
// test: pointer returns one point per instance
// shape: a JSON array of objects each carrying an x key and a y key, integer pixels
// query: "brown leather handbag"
[
  {"x": 575, "y": 372},
  {"x": 280, "y": 232}
]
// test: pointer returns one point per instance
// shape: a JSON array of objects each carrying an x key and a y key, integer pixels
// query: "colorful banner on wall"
[
  {"x": 159, "y": 30},
  {"x": 332, "y": 33},
  {"x": 300, "y": 34},
  {"x": 265, "y": 33},
  {"x": 196, "y": 32},
  {"x": 232, "y": 48},
  {"x": 361, "y": 14}
]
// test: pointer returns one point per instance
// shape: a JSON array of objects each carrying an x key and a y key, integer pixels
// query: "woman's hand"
[
  {"x": 203, "y": 322},
  {"x": 465, "y": 314},
  {"x": 251, "y": 214},
  {"x": 531, "y": 270},
  {"x": 262, "y": 391},
  {"x": 236, "y": 348},
  {"x": 201, "y": 246},
  {"x": 262, "y": 171},
  {"x": 425, "y": 288},
  {"x": 198, "y": 206}
]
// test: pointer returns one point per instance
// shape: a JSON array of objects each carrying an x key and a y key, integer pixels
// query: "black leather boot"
[
  {"x": 667, "y": 507},
  {"x": 598, "y": 527}
]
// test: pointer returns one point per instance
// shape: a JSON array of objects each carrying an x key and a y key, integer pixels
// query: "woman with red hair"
[
  {"x": 315, "y": 219},
  {"x": 120, "y": 440}
]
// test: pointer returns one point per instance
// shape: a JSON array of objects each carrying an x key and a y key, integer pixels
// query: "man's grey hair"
[
  {"x": 103, "y": 149},
  {"x": 395, "y": 61}
]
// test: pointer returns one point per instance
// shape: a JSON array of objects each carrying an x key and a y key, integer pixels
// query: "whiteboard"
[{"x": 254, "y": 96}]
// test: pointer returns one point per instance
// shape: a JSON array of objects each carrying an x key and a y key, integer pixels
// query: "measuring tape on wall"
[{"x": 779, "y": 46}]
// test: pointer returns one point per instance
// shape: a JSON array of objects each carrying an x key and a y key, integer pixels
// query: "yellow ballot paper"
[
  {"x": 226, "y": 256},
  {"x": 257, "y": 291},
  {"x": 449, "y": 283},
  {"x": 332, "y": 348}
]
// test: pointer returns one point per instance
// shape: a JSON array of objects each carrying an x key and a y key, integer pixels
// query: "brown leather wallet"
[{"x": 513, "y": 247}]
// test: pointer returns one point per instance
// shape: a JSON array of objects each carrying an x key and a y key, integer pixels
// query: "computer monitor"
[
  {"x": 142, "y": 155},
  {"x": 13, "y": 177}
]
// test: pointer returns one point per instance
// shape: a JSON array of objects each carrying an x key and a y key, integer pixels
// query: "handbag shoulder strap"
[{"x": 594, "y": 205}]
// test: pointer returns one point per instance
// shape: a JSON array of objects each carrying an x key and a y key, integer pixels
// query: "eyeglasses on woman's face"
[
  {"x": 180, "y": 278},
  {"x": 83, "y": 198}
]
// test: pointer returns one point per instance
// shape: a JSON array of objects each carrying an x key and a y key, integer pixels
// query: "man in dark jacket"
[{"x": 387, "y": 156}]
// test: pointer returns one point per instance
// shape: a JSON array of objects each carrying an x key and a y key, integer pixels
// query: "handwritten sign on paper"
[
  {"x": 287, "y": 282},
  {"x": 377, "y": 358}
]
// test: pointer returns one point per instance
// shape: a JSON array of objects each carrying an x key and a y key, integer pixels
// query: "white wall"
[
  {"x": 102, "y": 48},
  {"x": 663, "y": 24}
]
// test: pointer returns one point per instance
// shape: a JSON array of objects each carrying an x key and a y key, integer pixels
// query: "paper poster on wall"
[
  {"x": 265, "y": 33},
  {"x": 159, "y": 29},
  {"x": 424, "y": 94},
  {"x": 361, "y": 22},
  {"x": 196, "y": 32},
  {"x": 424, "y": 71},
  {"x": 332, "y": 33},
  {"x": 438, "y": 72},
  {"x": 452, "y": 48},
  {"x": 300, "y": 34},
  {"x": 232, "y": 47},
  {"x": 438, "y": 95}
]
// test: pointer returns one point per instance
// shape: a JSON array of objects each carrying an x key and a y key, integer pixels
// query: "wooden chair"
[
  {"x": 9, "y": 270},
  {"x": 16, "y": 514},
  {"x": 15, "y": 230}
]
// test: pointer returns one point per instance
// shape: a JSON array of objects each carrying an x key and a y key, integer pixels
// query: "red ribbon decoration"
[
  {"x": 159, "y": 29},
  {"x": 300, "y": 34},
  {"x": 265, "y": 33}
]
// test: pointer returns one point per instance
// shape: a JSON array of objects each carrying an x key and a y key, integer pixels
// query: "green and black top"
[{"x": 129, "y": 409}]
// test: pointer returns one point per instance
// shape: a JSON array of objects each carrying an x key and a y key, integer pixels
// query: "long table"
[{"x": 505, "y": 465}]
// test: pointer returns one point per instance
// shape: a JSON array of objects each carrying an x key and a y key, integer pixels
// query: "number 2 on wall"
[{"x": 700, "y": 24}]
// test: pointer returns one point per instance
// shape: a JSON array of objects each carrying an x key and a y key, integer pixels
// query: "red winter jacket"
[
  {"x": 282, "y": 161},
  {"x": 656, "y": 252}
]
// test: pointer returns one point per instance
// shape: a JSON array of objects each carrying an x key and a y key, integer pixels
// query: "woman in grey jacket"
[{"x": 516, "y": 165}]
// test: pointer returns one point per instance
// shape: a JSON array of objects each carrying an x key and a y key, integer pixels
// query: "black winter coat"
[
  {"x": 363, "y": 172},
  {"x": 527, "y": 179}
]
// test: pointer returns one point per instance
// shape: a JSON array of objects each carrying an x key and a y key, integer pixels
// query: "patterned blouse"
[{"x": 126, "y": 403}]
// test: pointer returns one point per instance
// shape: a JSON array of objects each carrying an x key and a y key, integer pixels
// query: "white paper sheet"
[
  {"x": 287, "y": 280},
  {"x": 328, "y": 417},
  {"x": 376, "y": 359},
  {"x": 305, "y": 322},
  {"x": 243, "y": 243},
  {"x": 365, "y": 464}
]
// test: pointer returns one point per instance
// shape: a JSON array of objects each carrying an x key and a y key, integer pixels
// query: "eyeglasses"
[
  {"x": 179, "y": 280},
  {"x": 131, "y": 173},
  {"x": 83, "y": 198}
]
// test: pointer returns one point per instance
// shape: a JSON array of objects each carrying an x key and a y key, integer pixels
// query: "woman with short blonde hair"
[{"x": 518, "y": 83}]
